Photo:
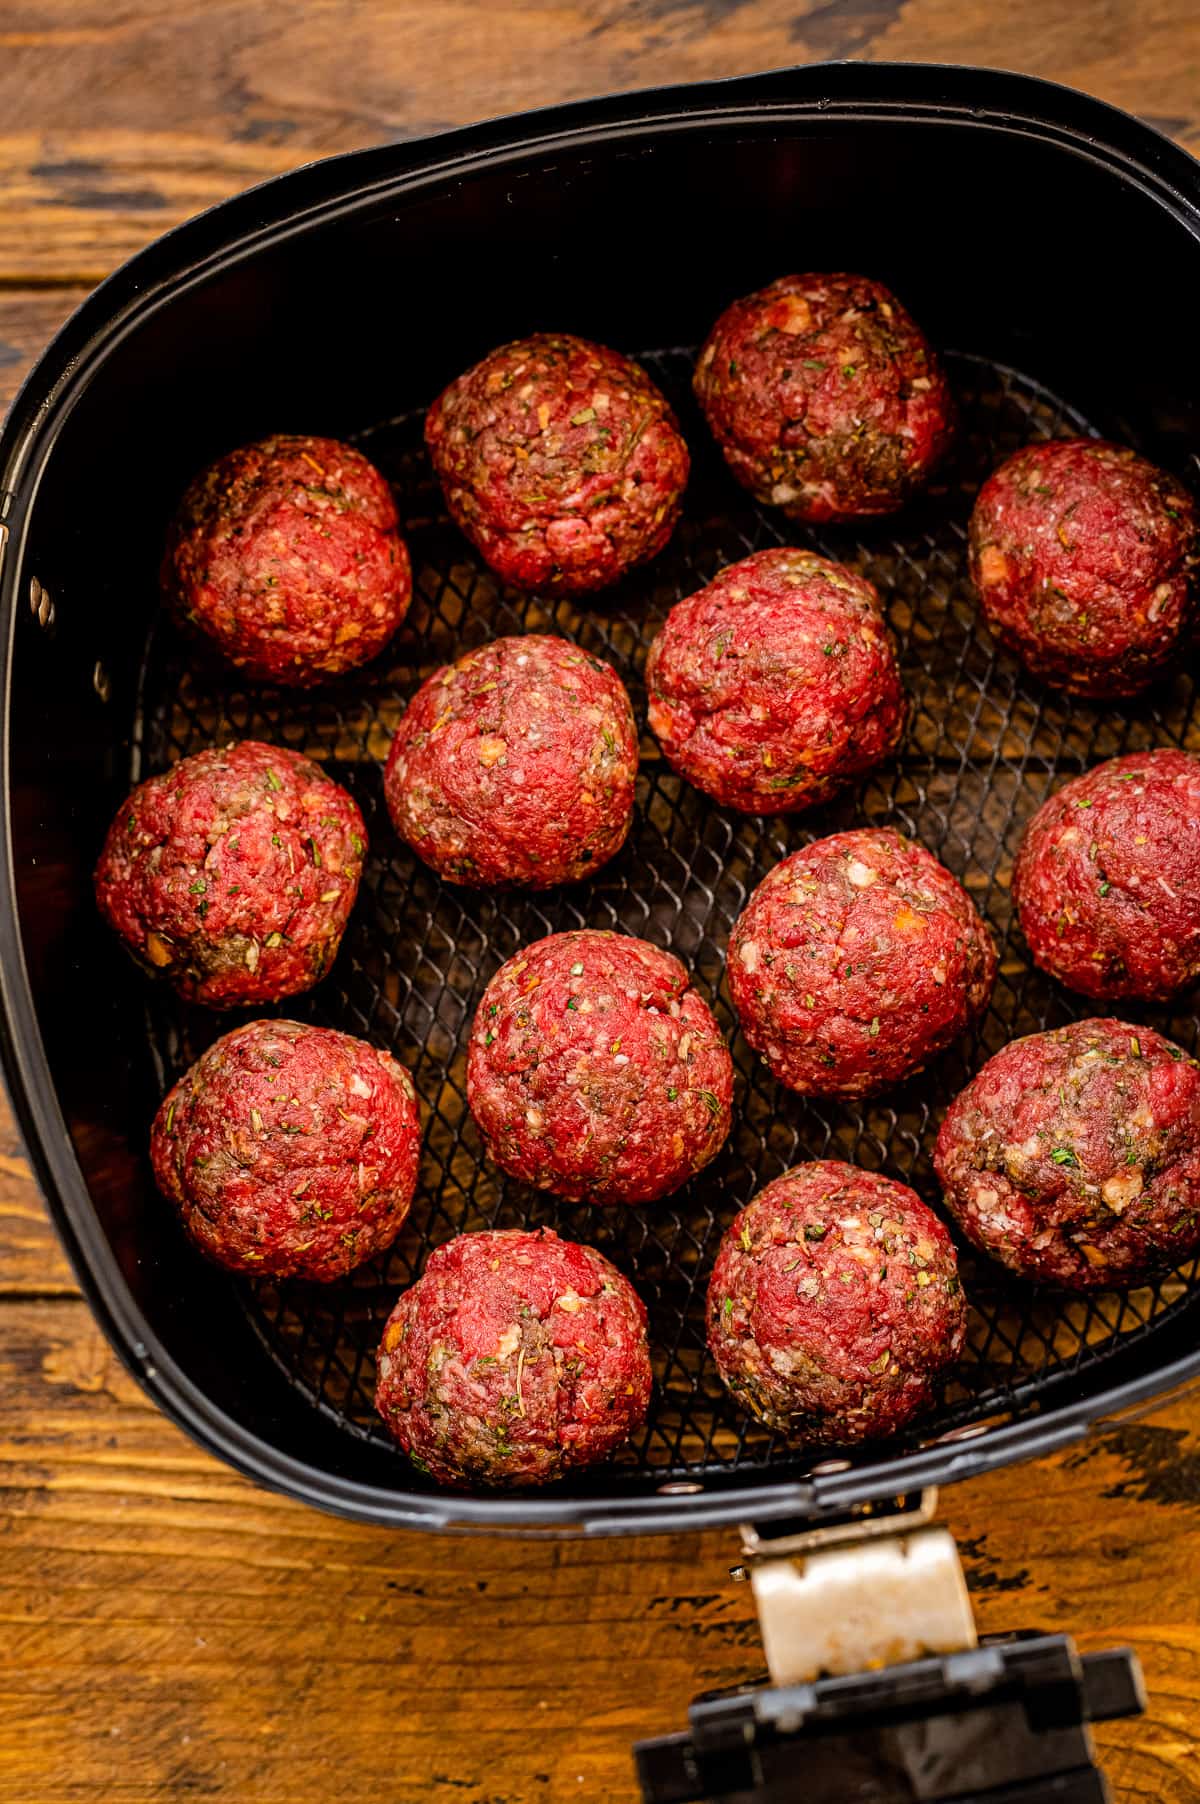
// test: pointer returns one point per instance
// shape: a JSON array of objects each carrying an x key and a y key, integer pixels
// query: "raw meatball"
[
  {"x": 776, "y": 684},
  {"x": 286, "y": 554},
  {"x": 515, "y": 1359},
  {"x": 516, "y": 765},
  {"x": 561, "y": 462},
  {"x": 835, "y": 1305},
  {"x": 1074, "y": 1156},
  {"x": 289, "y": 1149},
  {"x": 825, "y": 397},
  {"x": 234, "y": 873},
  {"x": 596, "y": 1071},
  {"x": 857, "y": 960},
  {"x": 1082, "y": 554},
  {"x": 1107, "y": 883}
]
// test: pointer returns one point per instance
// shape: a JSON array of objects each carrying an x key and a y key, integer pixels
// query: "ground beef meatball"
[
  {"x": 856, "y": 960},
  {"x": 1107, "y": 882},
  {"x": 286, "y": 554},
  {"x": 289, "y": 1150},
  {"x": 1082, "y": 554},
  {"x": 1074, "y": 1156},
  {"x": 825, "y": 397},
  {"x": 514, "y": 1359},
  {"x": 596, "y": 1071},
  {"x": 776, "y": 684},
  {"x": 561, "y": 462},
  {"x": 234, "y": 873},
  {"x": 835, "y": 1305},
  {"x": 516, "y": 765}
]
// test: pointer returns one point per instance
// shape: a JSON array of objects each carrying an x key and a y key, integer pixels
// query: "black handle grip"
[{"x": 1004, "y": 1723}]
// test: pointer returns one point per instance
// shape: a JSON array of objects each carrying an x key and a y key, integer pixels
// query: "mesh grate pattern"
[{"x": 983, "y": 748}]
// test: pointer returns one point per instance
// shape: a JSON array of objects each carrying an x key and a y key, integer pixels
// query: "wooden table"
[{"x": 169, "y": 1632}]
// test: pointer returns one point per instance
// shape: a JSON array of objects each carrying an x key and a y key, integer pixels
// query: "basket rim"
[{"x": 988, "y": 100}]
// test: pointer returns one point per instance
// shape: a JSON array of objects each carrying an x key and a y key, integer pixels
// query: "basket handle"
[{"x": 881, "y": 1688}]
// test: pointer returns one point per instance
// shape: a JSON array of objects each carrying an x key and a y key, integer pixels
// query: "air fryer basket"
[{"x": 339, "y": 300}]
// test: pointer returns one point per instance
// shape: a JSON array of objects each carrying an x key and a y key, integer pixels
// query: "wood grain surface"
[{"x": 170, "y": 1632}]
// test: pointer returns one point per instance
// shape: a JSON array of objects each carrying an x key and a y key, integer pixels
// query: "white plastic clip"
[{"x": 858, "y": 1595}]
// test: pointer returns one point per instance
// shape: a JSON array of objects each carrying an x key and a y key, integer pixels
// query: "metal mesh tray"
[{"x": 984, "y": 746}]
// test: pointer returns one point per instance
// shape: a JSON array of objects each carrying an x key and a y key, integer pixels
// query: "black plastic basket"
[{"x": 208, "y": 339}]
